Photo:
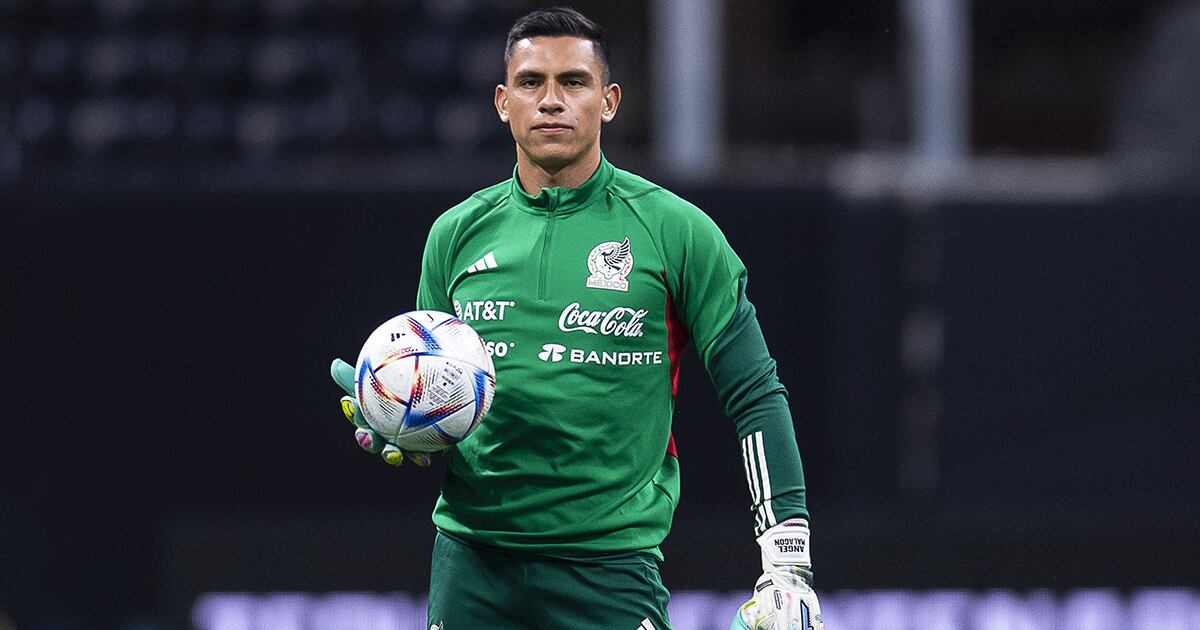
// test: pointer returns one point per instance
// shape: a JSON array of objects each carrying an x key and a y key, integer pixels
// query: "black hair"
[{"x": 559, "y": 22}]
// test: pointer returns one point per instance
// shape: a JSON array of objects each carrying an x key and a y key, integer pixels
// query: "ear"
[
  {"x": 612, "y": 99},
  {"x": 502, "y": 102}
]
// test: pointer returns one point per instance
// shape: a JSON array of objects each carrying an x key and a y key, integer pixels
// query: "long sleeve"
[
  {"x": 744, "y": 375},
  {"x": 710, "y": 286}
]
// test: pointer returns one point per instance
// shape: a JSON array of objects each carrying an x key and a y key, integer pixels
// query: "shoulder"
[
  {"x": 655, "y": 201},
  {"x": 677, "y": 224},
  {"x": 471, "y": 209},
  {"x": 675, "y": 221}
]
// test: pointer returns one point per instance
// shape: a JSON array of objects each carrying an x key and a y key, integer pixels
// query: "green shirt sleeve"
[
  {"x": 433, "y": 287},
  {"x": 745, "y": 378},
  {"x": 711, "y": 295}
]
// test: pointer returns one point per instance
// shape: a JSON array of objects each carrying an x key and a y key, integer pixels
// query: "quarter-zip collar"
[{"x": 559, "y": 200}]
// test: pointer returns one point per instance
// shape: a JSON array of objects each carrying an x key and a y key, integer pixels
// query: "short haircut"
[{"x": 559, "y": 22}]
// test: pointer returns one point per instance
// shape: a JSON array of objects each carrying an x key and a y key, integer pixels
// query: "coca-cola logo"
[{"x": 621, "y": 321}]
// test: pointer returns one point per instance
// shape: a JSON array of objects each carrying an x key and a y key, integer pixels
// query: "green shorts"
[{"x": 485, "y": 588}]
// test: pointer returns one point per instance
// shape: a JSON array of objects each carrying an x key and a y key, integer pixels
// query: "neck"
[{"x": 534, "y": 177}]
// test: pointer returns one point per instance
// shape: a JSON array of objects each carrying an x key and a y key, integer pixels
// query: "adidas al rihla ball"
[{"x": 424, "y": 380}]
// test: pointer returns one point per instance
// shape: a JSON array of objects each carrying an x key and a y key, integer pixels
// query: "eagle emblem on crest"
[{"x": 610, "y": 263}]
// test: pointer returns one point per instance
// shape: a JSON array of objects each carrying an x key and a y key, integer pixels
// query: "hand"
[
  {"x": 368, "y": 439},
  {"x": 783, "y": 597},
  {"x": 783, "y": 600}
]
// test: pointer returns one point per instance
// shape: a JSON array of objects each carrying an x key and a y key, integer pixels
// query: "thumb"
[{"x": 343, "y": 375}]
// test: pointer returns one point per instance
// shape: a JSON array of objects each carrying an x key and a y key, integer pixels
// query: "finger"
[
  {"x": 343, "y": 375},
  {"x": 750, "y": 617},
  {"x": 420, "y": 459},
  {"x": 805, "y": 574},
  {"x": 369, "y": 440},
  {"x": 350, "y": 410},
  {"x": 801, "y": 610},
  {"x": 395, "y": 456},
  {"x": 392, "y": 455}
]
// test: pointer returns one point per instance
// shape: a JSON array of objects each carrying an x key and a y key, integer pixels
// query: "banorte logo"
[
  {"x": 552, "y": 352},
  {"x": 621, "y": 321}
]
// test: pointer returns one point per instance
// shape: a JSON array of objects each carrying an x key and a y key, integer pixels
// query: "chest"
[{"x": 597, "y": 275}]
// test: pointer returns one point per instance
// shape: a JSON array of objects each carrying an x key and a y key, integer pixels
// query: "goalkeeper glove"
[
  {"x": 783, "y": 597},
  {"x": 368, "y": 439}
]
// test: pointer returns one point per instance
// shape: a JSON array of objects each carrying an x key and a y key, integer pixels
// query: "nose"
[{"x": 551, "y": 102}]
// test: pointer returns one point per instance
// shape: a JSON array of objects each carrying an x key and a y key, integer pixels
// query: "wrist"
[{"x": 786, "y": 545}]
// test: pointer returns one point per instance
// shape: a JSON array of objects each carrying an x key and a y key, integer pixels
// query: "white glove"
[{"x": 783, "y": 598}]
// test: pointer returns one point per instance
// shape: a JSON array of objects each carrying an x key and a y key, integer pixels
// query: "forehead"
[{"x": 553, "y": 55}]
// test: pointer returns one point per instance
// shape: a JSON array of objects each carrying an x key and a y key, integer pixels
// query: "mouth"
[{"x": 551, "y": 128}]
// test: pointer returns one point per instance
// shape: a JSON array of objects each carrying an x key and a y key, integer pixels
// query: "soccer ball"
[{"x": 424, "y": 380}]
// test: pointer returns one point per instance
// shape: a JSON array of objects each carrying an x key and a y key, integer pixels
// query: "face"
[{"x": 554, "y": 100}]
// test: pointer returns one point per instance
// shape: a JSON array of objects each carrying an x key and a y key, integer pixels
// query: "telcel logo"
[{"x": 552, "y": 352}]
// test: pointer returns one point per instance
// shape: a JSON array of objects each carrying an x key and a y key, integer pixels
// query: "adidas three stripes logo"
[
  {"x": 487, "y": 262},
  {"x": 754, "y": 456}
]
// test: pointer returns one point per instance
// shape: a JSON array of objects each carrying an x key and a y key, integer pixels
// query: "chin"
[{"x": 554, "y": 157}]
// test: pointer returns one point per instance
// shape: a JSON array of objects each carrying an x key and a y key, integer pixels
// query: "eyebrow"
[
  {"x": 575, "y": 74},
  {"x": 569, "y": 74}
]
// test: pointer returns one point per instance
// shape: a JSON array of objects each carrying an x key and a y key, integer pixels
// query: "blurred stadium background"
[{"x": 971, "y": 227}]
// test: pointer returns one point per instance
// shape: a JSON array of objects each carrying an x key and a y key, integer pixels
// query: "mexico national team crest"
[{"x": 610, "y": 264}]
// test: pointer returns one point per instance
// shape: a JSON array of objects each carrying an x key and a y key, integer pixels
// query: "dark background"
[{"x": 175, "y": 290}]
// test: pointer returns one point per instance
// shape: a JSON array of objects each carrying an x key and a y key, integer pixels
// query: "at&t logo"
[{"x": 552, "y": 352}]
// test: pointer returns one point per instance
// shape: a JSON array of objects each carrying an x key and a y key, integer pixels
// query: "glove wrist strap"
[{"x": 785, "y": 545}]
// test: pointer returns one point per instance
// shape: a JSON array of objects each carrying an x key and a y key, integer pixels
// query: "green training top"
[{"x": 586, "y": 298}]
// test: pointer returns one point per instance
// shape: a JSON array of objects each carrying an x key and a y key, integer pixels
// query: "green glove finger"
[
  {"x": 392, "y": 455},
  {"x": 395, "y": 456},
  {"x": 350, "y": 410},
  {"x": 370, "y": 440},
  {"x": 343, "y": 375},
  {"x": 420, "y": 459}
]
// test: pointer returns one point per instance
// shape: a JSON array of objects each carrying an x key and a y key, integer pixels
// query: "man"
[{"x": 552, "y": 512}]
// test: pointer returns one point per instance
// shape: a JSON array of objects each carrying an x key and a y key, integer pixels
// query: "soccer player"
[{"x": 588, "y": 280}]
